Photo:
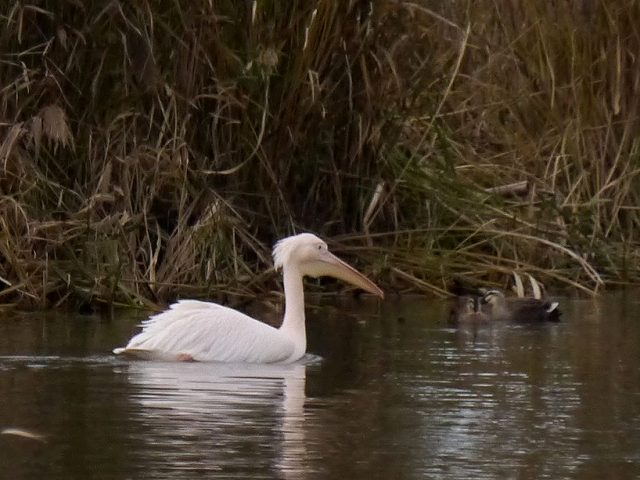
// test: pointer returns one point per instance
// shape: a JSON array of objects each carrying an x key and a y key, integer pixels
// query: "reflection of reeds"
[{"x": 153, "y": 149}]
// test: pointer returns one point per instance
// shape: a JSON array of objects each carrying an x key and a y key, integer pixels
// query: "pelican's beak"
[{"x": 330, "y": 265}]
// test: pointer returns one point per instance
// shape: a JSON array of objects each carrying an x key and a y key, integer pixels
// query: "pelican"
[{"x": 192, "y": 330}]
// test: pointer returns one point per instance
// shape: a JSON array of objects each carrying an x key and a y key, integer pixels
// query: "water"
[{"x": 389, "y": 392}]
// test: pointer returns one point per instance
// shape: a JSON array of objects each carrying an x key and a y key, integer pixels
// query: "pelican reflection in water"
[
  {"x": 216, "y": 412},
  {"x": 208, "y": 332}
]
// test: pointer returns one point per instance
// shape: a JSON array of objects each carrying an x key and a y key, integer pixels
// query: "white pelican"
[{"x": 192, "y": 330}]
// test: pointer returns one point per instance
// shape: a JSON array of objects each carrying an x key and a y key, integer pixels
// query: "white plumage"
[
  {"x": 231, "y": 336},
  {"x": 204, "y": 331}
]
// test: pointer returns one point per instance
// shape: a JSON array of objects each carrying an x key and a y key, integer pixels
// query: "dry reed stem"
[{"x": 168, "y": 157}]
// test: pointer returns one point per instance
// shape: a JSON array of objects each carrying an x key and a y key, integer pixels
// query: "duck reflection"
[{"x": 224, "y": 418}]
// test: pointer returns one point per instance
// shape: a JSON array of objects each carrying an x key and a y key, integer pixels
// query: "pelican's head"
[{"x": 311, "y": 257}]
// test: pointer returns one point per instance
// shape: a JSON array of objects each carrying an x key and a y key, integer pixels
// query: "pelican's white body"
[{"x": 208, "y": 332}]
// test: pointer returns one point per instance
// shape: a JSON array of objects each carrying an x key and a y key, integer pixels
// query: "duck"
[
  {"x": 468, "y": 309},
  {"x": 499, "y": 307}
]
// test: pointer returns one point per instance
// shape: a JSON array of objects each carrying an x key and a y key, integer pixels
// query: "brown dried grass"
[{"x": 155, "y": 149}]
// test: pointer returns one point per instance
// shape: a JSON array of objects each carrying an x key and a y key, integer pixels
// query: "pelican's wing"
[{"x": 208, "y": 332}]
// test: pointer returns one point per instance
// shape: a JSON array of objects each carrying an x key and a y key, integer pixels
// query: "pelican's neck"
[{"x": 293, "y": 323}]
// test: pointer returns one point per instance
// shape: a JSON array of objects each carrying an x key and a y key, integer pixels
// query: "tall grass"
[{"x": 155, "y": 149}]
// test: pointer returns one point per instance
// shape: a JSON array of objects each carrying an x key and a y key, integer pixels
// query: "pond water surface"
[{"x": 388, "y": 391}]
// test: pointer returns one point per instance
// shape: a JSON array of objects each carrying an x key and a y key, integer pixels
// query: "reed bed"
[{"x": 156, "y": 149}]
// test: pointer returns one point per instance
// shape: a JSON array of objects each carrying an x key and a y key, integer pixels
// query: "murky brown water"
[{"x": 395, "y": 394}]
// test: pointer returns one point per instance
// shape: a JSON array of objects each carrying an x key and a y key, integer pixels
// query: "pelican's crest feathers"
[{"x": 283, "y": 249}]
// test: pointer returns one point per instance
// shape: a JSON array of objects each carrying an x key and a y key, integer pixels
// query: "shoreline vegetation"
[{"x": 152, "y": 150}]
